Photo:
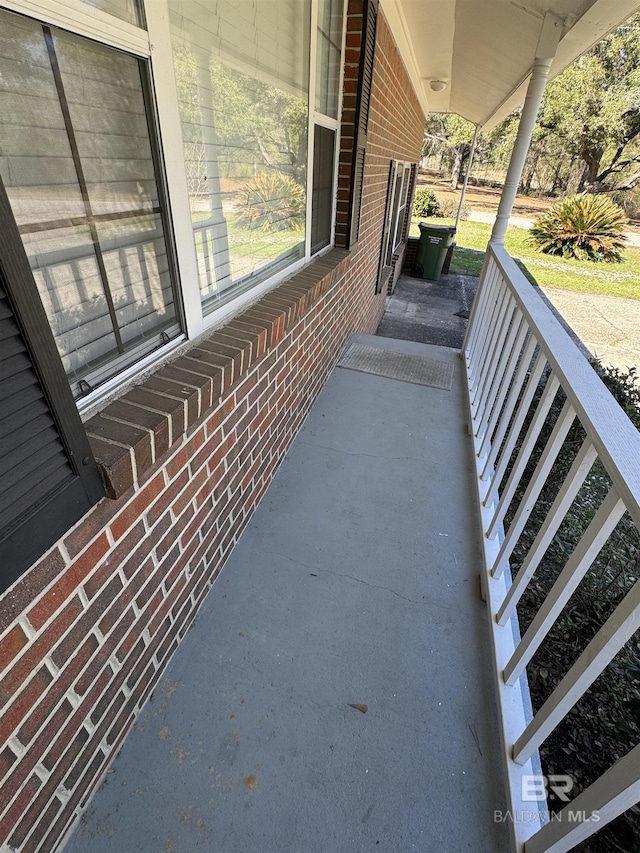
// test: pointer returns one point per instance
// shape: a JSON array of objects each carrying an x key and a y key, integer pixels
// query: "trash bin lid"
[{"x": 427, "y": 228}]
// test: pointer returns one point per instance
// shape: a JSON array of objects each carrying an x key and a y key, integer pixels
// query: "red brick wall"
[
  {"x": 395, "y": 131},
  {"x": 411, "y": 252},
  {"x": 86, "y": 633}
]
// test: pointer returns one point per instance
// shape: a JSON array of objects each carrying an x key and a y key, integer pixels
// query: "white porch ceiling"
[{"x": 484, "y": 49}]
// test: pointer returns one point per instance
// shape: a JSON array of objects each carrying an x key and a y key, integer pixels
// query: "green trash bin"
[{"x": 432, "y": 249}]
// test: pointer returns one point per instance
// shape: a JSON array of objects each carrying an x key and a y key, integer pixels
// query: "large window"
[
  {"x": 76, "y": 157},
  {"x": 242, "y": 74},
  {"x": 246, "y": 106},
  {"x": 398, "y": 187},
  {"x": 401, "y": 213}
]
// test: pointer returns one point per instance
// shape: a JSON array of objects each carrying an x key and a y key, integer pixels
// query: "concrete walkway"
[
  {"x": 334, "y": 693},
  {"x": 429, "y": 312}
]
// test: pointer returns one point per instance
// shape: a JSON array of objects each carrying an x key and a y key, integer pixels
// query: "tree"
[
  {"x": 592, "y": 112},
  {"x": 456, "y": 134}
]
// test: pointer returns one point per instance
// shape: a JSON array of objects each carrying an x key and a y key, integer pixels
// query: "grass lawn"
[{"x": 581, "y": 276}]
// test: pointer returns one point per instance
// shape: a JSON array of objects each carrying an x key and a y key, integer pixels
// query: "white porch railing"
[{"x": 513, "y": 341}]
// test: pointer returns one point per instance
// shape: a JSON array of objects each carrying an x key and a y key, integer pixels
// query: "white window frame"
[
  {"x": 87, "y": 21},
  {"x": 165, "y": 92},
  {"x": 402, "y": 207},
  {"x": 393, "y": 217},
  {"x": 84, "y": 20},
  {"x": 167, "y": 108},
  {"x": 389, "y": 243},
  {"x": 153, "y": 44},
  {"x": 325, "y": 121},
  {"x": 389, "y": 217}
]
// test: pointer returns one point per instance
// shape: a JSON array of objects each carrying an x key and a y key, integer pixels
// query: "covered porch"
[{"x": 335, "y": 691}]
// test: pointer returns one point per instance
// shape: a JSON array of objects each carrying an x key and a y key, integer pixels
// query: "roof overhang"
[{"x": 483, "y": 50}]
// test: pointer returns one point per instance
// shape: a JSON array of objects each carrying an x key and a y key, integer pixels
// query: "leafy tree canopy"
[
  {"x": 593, "y": 107},
  {"x": 590, "y": 118}
]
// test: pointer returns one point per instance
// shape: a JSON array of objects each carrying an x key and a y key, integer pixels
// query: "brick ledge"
[{"x": 134, "y": 431}]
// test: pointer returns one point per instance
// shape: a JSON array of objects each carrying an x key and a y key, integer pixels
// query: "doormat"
[{"x": 398, "y": 365}]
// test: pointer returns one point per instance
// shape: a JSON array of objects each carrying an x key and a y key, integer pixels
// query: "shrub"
[
  {"x": 623, "y": 384},
  {"x": 584, "y": 227},
  {"x": 272, "y": 202},
  {"x": 449, "y": 208},
  {"x": 426, "y": 203}
]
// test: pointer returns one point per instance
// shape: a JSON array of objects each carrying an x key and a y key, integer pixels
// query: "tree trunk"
[
  {"x": 558, "y": 183},
  {"x": 533, "y": 163},
  {"x": 462, "y": 151},
  {"x": 583, "y": 179},
  {"x": 591, "y": 166}
]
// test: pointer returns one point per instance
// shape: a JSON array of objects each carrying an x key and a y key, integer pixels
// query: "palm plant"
[
  {"x": 272, "y": 202},
  {"x": 584, "y": 227}
]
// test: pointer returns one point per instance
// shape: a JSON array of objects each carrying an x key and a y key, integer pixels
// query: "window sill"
[{"x": 134, "y": 431}]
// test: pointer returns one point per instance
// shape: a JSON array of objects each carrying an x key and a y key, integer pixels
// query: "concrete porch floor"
[{"x": 355, "y": 583}]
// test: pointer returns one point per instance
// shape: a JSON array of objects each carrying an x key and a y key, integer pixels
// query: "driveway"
[{"x": 608, "y": 326}]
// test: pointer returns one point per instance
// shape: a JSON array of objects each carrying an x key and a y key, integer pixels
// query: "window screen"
[
  {"x": 322, "y": 198},
  {"x": 76, "y": 158},
  {"x": 242, "y": 74}
]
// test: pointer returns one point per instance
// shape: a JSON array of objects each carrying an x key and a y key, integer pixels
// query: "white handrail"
[
  {"x": 615, "y": 437},
  {"x": 512, "y": 338}
]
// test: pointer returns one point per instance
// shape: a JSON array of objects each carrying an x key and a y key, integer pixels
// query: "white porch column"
[{"x": 545, "y": 52}]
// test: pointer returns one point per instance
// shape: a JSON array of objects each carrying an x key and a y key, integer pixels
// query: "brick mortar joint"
[{"x": 335, "y": 260}]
